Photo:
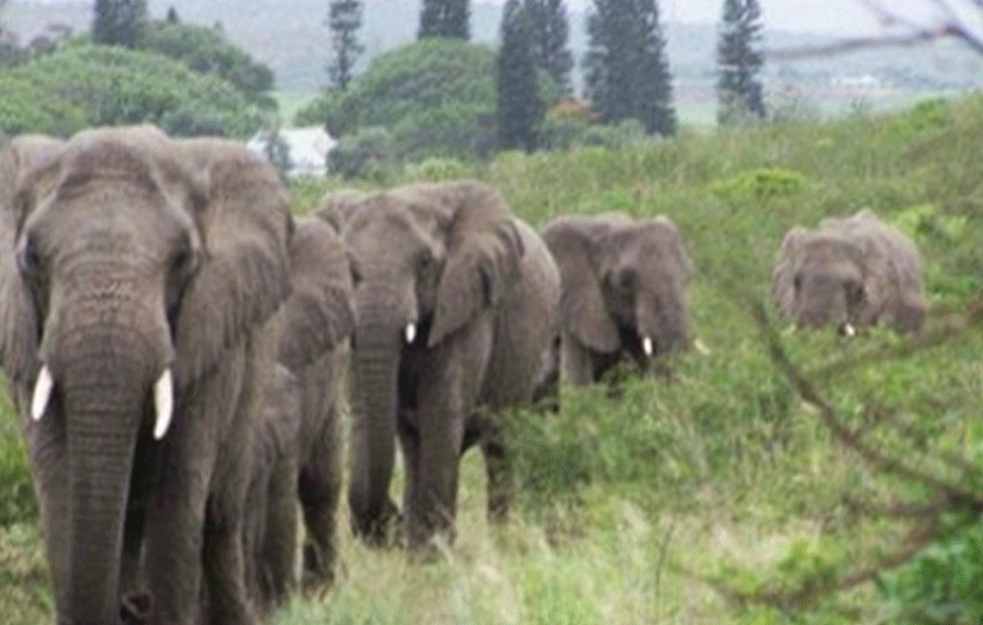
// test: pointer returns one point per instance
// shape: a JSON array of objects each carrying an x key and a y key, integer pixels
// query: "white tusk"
[
  {"x": 849, "y": 330},
  {"x": 701, "y": 347},
  {"x": 410, "y": 332},
  {"x": 42, "y": 393},
  {"x": 647, "y": 346},
  {"x": 163, "y": 403}
]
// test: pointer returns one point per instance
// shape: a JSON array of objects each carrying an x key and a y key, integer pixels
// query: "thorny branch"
[{"x": 950, "y": 27}]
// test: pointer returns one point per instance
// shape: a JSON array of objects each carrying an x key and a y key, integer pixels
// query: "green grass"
[{"x": 630, "y": 507}]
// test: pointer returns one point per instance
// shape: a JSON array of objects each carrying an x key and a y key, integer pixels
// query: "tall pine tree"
[
  {"x": 740, "y": 95},
  {"x": 119, "y": 22},
  {"x": 344, "y": 20},
  {"x": 550, "y": 37},
  {"x": 445, "y": 18},
  {"x": 627, "y": 72},
  {"x": 520, "y": 109}
]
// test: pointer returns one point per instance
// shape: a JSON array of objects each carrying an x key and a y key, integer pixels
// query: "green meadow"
[{"x": 721, "y": 497}]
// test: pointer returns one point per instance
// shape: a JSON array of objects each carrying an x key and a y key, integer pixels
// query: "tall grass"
[{"x": 631, "y": 503}]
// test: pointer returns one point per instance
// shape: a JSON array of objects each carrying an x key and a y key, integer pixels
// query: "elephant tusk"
[
  {"x": 848, "y": 330},
  {"x": 410, "y": 332},
  {"x": 647, "y": 346},
  {"x": 163, "y": 403},
  {"x": 42, "y": 393}
]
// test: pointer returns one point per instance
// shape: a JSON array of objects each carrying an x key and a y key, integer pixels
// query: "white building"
[{"x": 307, "y": 149}]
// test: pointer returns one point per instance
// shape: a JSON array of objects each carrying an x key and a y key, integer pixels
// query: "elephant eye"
[
  {"x": 854, "y": 292},
  {"x": 627, "y": 280},
  {"x": 29, "y": 258},
  {"x": 797, "y": 281},
  {"x": 425, "y": 262}
]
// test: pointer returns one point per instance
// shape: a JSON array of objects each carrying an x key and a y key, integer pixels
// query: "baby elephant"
[
  {"x": 849, "y": 272},
  {"x": 623, "y": 292}
]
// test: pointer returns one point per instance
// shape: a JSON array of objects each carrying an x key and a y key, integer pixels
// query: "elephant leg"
[
  {"x": 498, "y": 468},
  {"x": 278, "y": 548},
  {"x": 577, "y": 362},
  {"x": 320, "y": 490},
  {"x": 451, "y": 379}
]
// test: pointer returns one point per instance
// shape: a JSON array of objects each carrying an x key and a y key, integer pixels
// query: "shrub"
[
  {"x": 760, "y": 184},
  {"x": 368, "y": 152}
]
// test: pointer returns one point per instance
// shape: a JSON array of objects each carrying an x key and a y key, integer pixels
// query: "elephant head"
[
  {"x": 849, "y": 272},
  {"x": 623, "y": 285},
  {"x": 430, "y": 258},
  {"x": 135, "y": 262}
]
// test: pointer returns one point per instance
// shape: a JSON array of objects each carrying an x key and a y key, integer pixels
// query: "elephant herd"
[{"x": 175, "y": 342}]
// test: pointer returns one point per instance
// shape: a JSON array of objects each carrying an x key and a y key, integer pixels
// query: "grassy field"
[{"x": 645, "y": 506}]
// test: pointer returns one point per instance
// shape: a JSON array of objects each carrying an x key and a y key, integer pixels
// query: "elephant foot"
[
  {"x": 384, "y": 532},
  {"x": 136, "y": 608}
]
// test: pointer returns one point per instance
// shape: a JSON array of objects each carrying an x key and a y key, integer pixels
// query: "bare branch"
[
  {"x": 845, "y": 46},
  {"x": 853, "y": 438}
]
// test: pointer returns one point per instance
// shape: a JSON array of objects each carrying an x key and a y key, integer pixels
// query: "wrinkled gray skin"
[
  {"x": 849, "y": 272},
  {"x": 624, "y": 288},
  {"x": 455, "y": 308},
  {"x": 299, "y": 445},
  {"x": 126, "y": 255}
]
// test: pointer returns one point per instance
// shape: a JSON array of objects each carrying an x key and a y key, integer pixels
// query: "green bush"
[
  {"x": 84, "y": 85},
  {"x": 435, "y": 96},
  {"x": 368, "y": 153},
  {"x": 760, "y": 184}
]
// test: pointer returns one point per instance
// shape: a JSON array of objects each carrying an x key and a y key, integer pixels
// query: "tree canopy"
[
  {"x": 88, "y": 85},
  {"x": 436, "y": 95}
]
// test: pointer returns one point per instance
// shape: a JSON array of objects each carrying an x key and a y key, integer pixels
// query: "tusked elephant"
[
  {"x": 455, "y": 307},
  {"x": 624, "y": 292},
  {"x": 849, "y": 272},
  {"x": 299, "y": 447},
  {"x": 138, "y": 274}
]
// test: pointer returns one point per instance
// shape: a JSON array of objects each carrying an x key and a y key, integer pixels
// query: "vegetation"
[
  {"x": 715, "y": 498},
  {"x": 550, "y": 37},
  {"x": 344, "y": 20},
  {"x": 119, "y": 22},
  {"x": 627, "y": 72},
  {"x": 435, "y": 97},
  {"x": 739, "y": 91},
  {"x": 445, "y": 18},
  {"x": 520, "y": 107},
  {"x": 85, "y": 85},
  {"x": 206, "y": 50}
]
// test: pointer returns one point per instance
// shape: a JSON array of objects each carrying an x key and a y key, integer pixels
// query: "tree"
[
  {"x": 627, "y": 70},
  {"x": 172, "y": 17},
  {"x": 344, "y": 19},
  {"x": 520, "y": 108},
  {"x": 739, "y": 93},
  {"x": 119, "y": 22},
  {"x": 550, "y": 35},
  {"x": 445, "y": 18}
]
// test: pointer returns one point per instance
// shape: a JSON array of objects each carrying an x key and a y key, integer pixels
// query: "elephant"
[
  {"x": 138, "y": 281},
  {"x": 456, "y": 304},
  {"x": 298, "y": 449},
  {"x": 850, "y": 272},
  {"x": 624, "y": 293}
]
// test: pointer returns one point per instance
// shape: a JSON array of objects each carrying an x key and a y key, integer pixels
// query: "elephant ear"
[
  {"x": 337, "y": 207},
  {"x": 667, "y": 234},
  {"x": 577, "y": 245},
  {"x": 244, "y": 225},
  {"x": 783, "y": 273},
  {"x": 319, "y": 314},
  {"x": 484, "y": 249},
  {"x": 28, "y": 170}
]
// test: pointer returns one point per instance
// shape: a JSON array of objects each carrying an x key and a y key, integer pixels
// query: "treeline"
[
  {"x": 412, "y": 102},
  {"x": 187, "y": 78}
]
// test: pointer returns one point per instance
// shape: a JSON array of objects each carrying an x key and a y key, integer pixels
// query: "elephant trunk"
[
  {"x": 104, "y": 395},
  {"x": 375, "y": 376}
]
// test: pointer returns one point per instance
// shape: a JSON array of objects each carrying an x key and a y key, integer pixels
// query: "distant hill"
[{"x": 291, "y": 37}]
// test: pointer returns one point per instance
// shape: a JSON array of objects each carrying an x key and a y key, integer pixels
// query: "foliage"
[
  {"x": 739, "y": 92},
  {"x": 760, "y": 184},
  {"x": 436, "y": 169},
  {"x": 434, "y": 95},
  {"x": 344, "y": 19},
  {"x": 550, "y": 35},
  {"x": 208, "y": 51},
  {"x": 86, "y": 85},
  {"x": 119, "y": 22},
  {"x": 520, "y": 107},
  {"x": 627, "y": 69},
  {"x": 445, "y": 18},
  {"x": 369, "y": 152}
]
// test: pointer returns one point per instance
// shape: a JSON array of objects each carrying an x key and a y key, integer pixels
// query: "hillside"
[{"x": 290, "y": 37}]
